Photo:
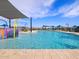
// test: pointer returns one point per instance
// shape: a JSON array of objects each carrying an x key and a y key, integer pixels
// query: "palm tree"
[
  {"x": 43, "y": 27},
  {"x": 77, "y": 29},
  {"x": 73, "y": 27},
  {"x": 59, "y": 27},
  {"x": 53, "y": 27}
]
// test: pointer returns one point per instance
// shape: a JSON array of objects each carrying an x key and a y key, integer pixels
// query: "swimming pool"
[{"x": 42, "y": 40}]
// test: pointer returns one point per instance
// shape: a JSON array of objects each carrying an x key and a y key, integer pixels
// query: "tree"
[{"x": 77, "y": 29}]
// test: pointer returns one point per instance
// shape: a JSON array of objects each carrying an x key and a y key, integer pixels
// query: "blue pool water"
[{"x": 42, "y": 40}]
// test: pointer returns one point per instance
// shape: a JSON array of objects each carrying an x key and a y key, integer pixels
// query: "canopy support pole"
[
  {"x": 31, "y": 24},
  {"x": 9, "y": 23}
]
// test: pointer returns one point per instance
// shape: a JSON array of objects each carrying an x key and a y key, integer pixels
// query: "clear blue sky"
[
  {"x": 55, "y": 20},
  {"x": 52, "y": 12}
]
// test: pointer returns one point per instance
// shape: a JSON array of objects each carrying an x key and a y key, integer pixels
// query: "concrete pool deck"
[
  {"x": 34, "y": 31},
  {"x": 76, "y": 33},
  {"x": 38, "y": 54}
]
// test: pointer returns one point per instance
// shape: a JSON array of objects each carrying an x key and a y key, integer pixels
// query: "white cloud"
[
  {"x": 70, "y": 10},
  {"x": 34, "y": 8}
]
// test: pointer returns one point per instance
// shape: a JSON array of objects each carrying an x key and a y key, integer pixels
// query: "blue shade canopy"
[{"x": 9, "y": 11}]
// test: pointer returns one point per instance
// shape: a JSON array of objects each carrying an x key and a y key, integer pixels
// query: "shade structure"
[{"x": 9, "y": 11}]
